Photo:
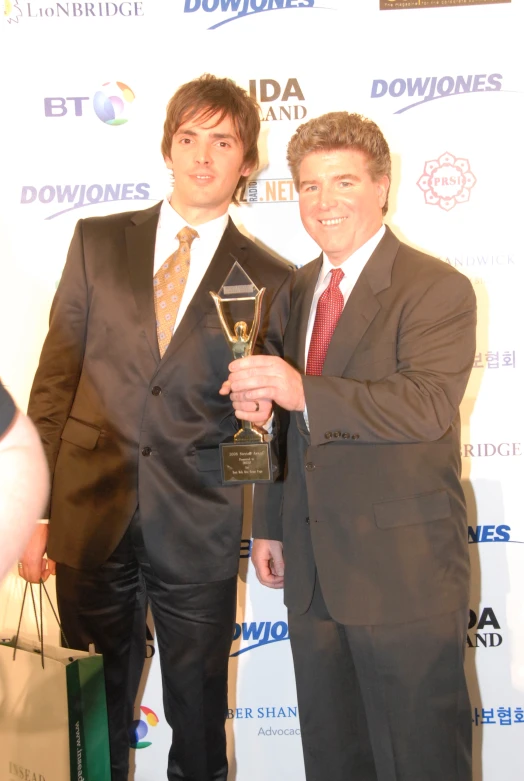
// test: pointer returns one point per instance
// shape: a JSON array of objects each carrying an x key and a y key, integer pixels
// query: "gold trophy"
[{"x": 247, "y": 458}]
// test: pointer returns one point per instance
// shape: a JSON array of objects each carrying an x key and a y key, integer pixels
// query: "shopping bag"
[{"x": 53, "y": 716}]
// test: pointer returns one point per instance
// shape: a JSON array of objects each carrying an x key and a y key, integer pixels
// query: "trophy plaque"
[{"x": 246, "y": 458}]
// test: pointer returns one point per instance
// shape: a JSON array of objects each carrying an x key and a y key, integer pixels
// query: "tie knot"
[
  {"x": 186, "y": 235},
  {"x": 336, "y": 277}
]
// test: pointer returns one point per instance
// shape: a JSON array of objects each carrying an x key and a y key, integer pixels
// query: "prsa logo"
[
  {"x": 15, "y": 11},
  {"x": 486, "y": 639},
  {"x": 490, "y": 533},
  {"x": 269, "y": 90},
  {"x": 112, "y": 104},
  {"x": 255, "y": 634},
  {"x": 269, "y": 191},
  {"x": 239, "y": 9},
  {"x": 446, "y": 181},
  {"x": 433, "y": 88},
  {"x": 76, "y": 196},
  {"x": 139, "y": 728}
]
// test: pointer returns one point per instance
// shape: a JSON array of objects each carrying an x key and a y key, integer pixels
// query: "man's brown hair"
[
  {"x": 206, "y": 97},
  {"x": 340, "y": 130}
]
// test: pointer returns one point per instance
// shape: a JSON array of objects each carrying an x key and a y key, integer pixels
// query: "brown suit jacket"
[
  {"x": 122, "y": 428},
  {"x": 372, "y": 500}
]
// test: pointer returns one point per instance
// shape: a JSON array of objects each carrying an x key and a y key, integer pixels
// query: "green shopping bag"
[{"x": 53, "y": 716}]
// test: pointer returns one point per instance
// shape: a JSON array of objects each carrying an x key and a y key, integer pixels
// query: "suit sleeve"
[
  {"x": 62, "y": 356},
  {"x": 419, "y": 401}
]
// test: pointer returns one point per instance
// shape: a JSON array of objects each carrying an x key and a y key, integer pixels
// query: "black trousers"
[
  {"x": 194, "y": 629},
  {"x": 382, "y": 703}
]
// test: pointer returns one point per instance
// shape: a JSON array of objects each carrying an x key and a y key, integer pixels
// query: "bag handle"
[{"x": 39, "y": 627}]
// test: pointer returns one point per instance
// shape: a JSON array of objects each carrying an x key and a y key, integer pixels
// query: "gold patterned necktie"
[{"x": 168, "y": 286}]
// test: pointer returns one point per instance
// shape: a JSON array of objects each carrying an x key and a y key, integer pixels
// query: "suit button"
[
  {"x": 355, "y": 436},
  {"x": 328, "y": 435},
  {"x": 336, "y": 434},
  {"x": 156, "y": 391},
  {"x": 146, "y": 451},
  {"x": 310, "y": 466},
  {"x": 345, "y": 435}
]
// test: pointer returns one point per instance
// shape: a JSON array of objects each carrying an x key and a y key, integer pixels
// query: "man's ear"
[{"x": 382, "y": 185}]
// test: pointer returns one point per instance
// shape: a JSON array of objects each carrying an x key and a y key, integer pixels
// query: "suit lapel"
[
  {"x": 140, "y": 241},
  {"x": 362, "y": 306},
  {"x": 232, "y": 247}
]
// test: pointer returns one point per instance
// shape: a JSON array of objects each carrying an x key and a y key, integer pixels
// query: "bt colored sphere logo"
[
  {"x": 139, "y": 728},
  {"x": 113, "y": 103}
]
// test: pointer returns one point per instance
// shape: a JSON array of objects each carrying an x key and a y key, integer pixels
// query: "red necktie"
[{"x": 329, "y": 308}]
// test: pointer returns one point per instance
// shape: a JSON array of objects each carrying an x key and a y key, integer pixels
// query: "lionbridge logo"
[
  {"x": 260, "y": 633},
  {"x": 240, "y": 9},
  {"x": 76, "y": 196},
  {"x": 16, "y": 10},
  {"x": 427, "y": 88}
]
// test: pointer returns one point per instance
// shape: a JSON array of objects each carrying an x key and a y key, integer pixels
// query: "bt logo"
[
  {"x": 111, "y": 103},
  {"x": 139, "y": 728}
]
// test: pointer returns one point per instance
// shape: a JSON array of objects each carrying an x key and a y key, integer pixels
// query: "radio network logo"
[
  {"x": 270, "y": 191},
  {"x": 140, "y": 727},
  {"x": 112, "y": 104},
  {"x": 255, "y": 634},
  {"x": 239, "y": 9},
  {"x": 76, "y": 196},
  {"x": 446, "y": 181},
  {"x": 15, "y": 10},
  {"x": 433, "y": 88}
]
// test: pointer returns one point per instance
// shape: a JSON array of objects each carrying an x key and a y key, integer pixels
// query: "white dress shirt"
[{"x": 202, "y": 249}]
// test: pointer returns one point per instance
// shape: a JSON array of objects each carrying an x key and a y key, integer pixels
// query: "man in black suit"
[
  {"x": 126, "y": 402},
  {"x": 369, "y": 537}
]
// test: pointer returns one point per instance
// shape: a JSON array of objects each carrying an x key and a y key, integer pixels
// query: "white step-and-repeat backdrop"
[{"x": 443, "y": 79}]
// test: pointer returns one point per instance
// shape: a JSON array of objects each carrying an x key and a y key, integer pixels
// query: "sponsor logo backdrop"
[{"x": 83, "y": 121}]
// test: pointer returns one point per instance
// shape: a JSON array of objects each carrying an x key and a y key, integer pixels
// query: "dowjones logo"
[
  {"x": 446, "y": 181},
  {"x": 269, "y": 90},
  {"x": 489, "y": 533},
  {"x": 14, "y": 10},
  {"x": 256, "y": 634},
  {"x": 76, "y": 196},
  {"x": 428, "y": 88},
  {"x": 238, "y": 9},
  {"x": 139, "y": 728},
  {"x": 112, "y": 104},
  {"x": 269, "y": 191}
]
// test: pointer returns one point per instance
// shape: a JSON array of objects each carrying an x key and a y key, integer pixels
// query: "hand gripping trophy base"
[{"x": 248, "y": 458}]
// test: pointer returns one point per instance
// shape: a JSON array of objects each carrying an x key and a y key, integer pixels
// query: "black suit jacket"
[
  {"x": 372, "y": 500},
  {"x": 122, "y": 428}
]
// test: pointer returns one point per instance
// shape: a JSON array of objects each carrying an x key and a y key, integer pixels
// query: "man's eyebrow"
[
  {"x": 347, "y": 176},
  {"x": 188, "y": 132}
]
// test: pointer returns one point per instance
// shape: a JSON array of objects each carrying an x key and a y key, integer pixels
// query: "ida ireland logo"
[
  {"x": 112, "y": 103},
  {"x": 12, "y": 12},
  {"x": 447, "y": 181},
  {"x": 140, "y": 727}
]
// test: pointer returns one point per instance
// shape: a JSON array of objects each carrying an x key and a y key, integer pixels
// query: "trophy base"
[{"x": 246, "y": 462}]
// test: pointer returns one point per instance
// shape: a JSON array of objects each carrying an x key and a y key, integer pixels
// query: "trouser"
[
  {"x": 194, "y": 628},
  {"x": 382, "y": 703}
]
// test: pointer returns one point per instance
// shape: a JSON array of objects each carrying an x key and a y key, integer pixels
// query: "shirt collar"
[
  {"x": 171, "y": 222},
  {"x": 352, "y": 266}
]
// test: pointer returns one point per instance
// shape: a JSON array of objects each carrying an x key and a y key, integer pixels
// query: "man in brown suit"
[
  {"x": 368, "y": 531},
  {"x": 126, "y": 402}
]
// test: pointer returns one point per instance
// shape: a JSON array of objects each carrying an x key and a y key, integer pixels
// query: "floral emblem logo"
[
  {"x": 446, "y": 181},
  {"x": 12, "y": 12}
]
